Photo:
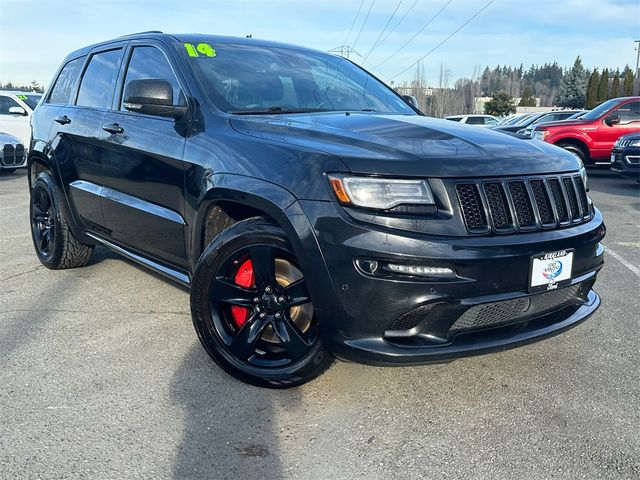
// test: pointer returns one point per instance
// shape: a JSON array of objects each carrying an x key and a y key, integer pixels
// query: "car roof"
[{"x": 188, "y": 38}]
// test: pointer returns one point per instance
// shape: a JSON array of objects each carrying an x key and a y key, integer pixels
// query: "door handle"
[
  {"x": 113, "y": 128},
  {"x": 62, "y": 120}
]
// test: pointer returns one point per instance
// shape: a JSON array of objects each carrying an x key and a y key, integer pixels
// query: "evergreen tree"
[
  {"x": 615, "y": 87},
  {"x": 628, "y": 82},
  {"x": 500, "y": 105},
  {"x": 603, "y": 86},
  {"x": 573, "y": 87},
  {"x": 527, "y": 100},
  {"x": 592, "y": 89}
]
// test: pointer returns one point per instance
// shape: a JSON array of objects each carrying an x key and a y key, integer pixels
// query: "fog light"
[{"x": 418, "y": 270}]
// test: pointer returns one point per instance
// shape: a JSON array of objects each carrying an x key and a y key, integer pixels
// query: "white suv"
[
  {"x": 15, "y": 114},
  {"x": 479, "y": 120}
]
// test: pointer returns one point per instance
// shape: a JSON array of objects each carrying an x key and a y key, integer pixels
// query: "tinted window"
[
  {"x": 600, "y": 109},
  {"x": 253, "y": 78},
  {"x": 454, "y": 119},
  {"x": 629, "y": 112},
  {"x": 6, "y": 103},
  {"x": 99, "y": 79},
  {"x": 475, "y": 120},
  {"x": 149, "y": 62},
  {"x": 490, "y": 121},
  {"x": 30, "y": 100},
  {"x": 63, "y": 86}
]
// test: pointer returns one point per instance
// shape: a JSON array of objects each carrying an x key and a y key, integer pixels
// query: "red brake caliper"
[{"x": 244, "y": 278}]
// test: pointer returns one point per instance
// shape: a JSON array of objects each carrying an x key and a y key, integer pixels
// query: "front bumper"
[
  {"x": 626, "y": 162},
  {"x": 359, "y": 313}
]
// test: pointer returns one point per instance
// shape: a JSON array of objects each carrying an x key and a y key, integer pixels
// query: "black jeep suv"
[{"x": 311, "y": 210}]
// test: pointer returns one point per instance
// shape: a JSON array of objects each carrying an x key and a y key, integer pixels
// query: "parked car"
[
  {"x": 16, "y": 109},
  {"x": 592, "y": 136},
  {"x": 12, "y": 153},
  {"x": 554, "y": 116},
  {"x": 518, "y": 125},
  {"x": 515, "y": 119},
  {"x": 308, "y": 207},
  {"x": 579, "y": 114},
  {"x": 625, "y": 156},
  {"x": 479, "y": 120}
]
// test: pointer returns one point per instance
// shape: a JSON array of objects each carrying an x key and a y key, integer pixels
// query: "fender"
[
  {"x": 570, "y": 134},
  {"x": 285, "y": 209}
]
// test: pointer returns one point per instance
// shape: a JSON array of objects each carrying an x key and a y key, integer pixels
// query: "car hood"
[
  {"x": 7, "y": 138},
  {"x": 565, "y": 123},
  {"x": 408, "y": 145}
]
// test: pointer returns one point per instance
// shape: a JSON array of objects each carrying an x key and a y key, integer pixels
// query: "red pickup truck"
[{"x": 592, "y": 136}]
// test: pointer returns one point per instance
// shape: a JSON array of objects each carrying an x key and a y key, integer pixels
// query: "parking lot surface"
[{"x": 102, "y": 376}]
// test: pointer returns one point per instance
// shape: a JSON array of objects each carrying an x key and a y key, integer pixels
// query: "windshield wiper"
[{"x": 276, "y": 109}]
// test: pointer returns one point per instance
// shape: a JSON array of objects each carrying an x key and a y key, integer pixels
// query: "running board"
[{"x": 171, "y": 273}]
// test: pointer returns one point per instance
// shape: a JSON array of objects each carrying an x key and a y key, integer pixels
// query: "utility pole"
[{"x": 638, "y": 59}]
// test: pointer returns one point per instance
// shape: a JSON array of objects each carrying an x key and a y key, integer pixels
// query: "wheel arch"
[{"x": 574, "y": 140}]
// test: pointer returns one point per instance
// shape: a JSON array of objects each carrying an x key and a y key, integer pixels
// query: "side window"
[
  {"x": 629, "y": 112},
  {"x": 490, "y": 121},
  {"x": 6, "y": 103},
  {"x": 99, "y": 79},
  {"x": 63, "y": 86},
  {"x": 475, "y": 120},
  {"x": 150, "y": 63}
]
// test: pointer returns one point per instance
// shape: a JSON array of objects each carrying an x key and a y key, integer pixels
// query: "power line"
[
  {"x": 416, "y": 34},
  {"x": 375, "y": 44},
  {"x": 398, "y": 24},
  {"x": 445, "y": 40},
  {"x": 364, "y": 23},
  {"x": 354, "y": 22}
]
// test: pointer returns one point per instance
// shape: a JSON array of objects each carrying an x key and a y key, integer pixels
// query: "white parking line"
[{"x": 618, "y": 257}]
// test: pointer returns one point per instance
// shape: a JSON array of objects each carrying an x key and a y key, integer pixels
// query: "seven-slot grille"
[
  {"x": 523, "y": 204},
  {"x": 12, "y": 155}
]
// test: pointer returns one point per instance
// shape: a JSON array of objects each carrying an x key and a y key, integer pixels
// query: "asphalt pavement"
[{"x": 102, "y": 376}]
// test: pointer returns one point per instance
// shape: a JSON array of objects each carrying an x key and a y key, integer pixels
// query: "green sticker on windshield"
[
  {"x": 22, "y": 97},
  {"x": 202, "y": 49}
]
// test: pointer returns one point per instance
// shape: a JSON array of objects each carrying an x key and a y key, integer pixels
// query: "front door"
[
  {"x": 142, "y": 168},
  {"x": 629, "y": 115}
]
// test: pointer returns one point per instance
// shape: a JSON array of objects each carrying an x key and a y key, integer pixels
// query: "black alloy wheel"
[
  {"x": 43, "y": 225},
  {"x": 252, "y": 310}
]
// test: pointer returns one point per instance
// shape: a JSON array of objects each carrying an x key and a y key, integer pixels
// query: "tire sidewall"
[
  {"x": 235, "y": 238},
  {"x": 44, "y": 180}
]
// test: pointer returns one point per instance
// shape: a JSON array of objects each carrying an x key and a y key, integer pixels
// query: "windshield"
[
  {"x": 30, "y": 99},
  {"x": 600, "y": 109},
  {"x": 256, "y": 79}
]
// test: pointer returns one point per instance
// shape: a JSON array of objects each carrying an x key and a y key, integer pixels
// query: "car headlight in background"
[
  {"x": 634, "y": 143},
  {"x": 380, "y": 193},
  {"x": 540, "y": 134}
]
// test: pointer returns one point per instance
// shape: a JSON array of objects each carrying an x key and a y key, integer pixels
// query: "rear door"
[
  {"x": 75, "y": 134},
  {"x": 143, "y": 172}
]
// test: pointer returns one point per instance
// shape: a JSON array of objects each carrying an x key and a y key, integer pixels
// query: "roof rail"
[{"x": 140, "y": 33}]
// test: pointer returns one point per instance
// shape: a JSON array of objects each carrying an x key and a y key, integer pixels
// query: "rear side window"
[
  {"x": 99, "y": 79},
  {"x": 147, "y": 63},
  {"x": 6, "y": 103},
  {"x": 63, "y": 86},
  {"x": 475, "y": 120}
]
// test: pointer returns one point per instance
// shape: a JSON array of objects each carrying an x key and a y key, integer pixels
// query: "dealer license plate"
[{"x": 551, "y": 270}]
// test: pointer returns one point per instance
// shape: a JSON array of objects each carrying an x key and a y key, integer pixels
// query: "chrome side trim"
[
  {"x": 171, "y": 273},
  {"x": 129, "y": 201}
]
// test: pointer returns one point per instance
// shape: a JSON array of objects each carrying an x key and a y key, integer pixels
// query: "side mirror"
[
  {"x": 411, "y": 100},
  {"x": 613, "y": 119},
  {"x": 152, "y": 97},
  {"x": 17, "y": 111}
]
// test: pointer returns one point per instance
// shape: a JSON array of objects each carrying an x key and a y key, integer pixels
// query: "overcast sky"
[{"x": 35, "y": 35}]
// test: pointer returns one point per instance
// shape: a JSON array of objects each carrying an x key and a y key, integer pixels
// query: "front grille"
[
  {"x": 523, "y": 204},
  {"x": 495, "y": 314},
  {"x": 12, "y": 155},
  {"x": 623, "y": 143}
]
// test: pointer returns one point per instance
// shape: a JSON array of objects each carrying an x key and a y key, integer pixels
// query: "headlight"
[
  {"x": 540, "y": 134},
  {"x": 380, "y": 193}
]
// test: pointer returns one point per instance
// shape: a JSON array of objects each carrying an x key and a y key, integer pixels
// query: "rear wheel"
[
  {"x": 54, "y": 242},
  {"x": 251, "y": 308}
]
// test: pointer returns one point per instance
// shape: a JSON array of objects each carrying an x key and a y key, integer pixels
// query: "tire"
[
  {"x": 251, "y": 309},
  {"x": 577, "y": 150},
  {"x": 54, "y": 242}
]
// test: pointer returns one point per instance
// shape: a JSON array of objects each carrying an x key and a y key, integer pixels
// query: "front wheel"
[
  {"x": 251, "y": 308},
  {"x": 577, "y": 150}
]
